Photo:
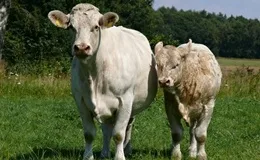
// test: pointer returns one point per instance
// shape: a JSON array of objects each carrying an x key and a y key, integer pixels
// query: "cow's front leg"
[
  {"x": 89, "y": 128},
  {"x": 107, "y": 134},
  {"x": 119, "y": 132}
]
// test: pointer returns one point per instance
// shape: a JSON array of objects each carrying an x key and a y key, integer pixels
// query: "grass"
[
  {"x": 39, "y": 120},
  {"x": 239, "y": 62}
]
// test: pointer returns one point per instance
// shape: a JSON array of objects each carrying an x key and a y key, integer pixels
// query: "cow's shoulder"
[{"x": 130, "y": 33}]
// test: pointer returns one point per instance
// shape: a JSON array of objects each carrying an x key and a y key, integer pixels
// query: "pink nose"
[
  {"x": 81, "y": 48},
  {"x": 164, "y": 82}
]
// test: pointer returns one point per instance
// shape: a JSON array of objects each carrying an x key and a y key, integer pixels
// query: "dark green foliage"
[{"x": 34, "y": 45}]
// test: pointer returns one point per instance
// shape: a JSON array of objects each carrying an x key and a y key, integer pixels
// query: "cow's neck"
[{"x": 99, "y": 41}]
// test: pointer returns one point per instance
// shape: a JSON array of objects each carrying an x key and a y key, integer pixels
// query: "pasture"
[{"x": 39, "y": 120}]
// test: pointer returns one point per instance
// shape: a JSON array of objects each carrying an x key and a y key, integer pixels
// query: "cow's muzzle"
[
  {"x": 165, "y": 82},
  {"x": 81, "y": 50}
]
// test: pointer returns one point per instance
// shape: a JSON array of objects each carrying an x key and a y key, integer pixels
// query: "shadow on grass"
[
  {"x": 46, "y": 153},
  {"x": 42, "y": 153},
  {"x": 137, "y": 153}
]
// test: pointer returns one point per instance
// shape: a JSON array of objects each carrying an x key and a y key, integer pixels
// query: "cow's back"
[{"x": 201, "y": 73}]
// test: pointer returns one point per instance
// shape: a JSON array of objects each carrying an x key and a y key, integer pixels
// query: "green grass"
[
  {"x": 50, "y": 128},
  {"x": 39, "y": 120},
  {"x": 239, "y": 62}
]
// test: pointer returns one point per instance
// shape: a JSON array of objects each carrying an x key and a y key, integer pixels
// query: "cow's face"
[
  {"x": 86, "y": 22},
  {"x": 169, "y": 60}
]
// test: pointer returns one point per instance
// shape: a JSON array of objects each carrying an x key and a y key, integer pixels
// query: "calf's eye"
[{"x": 173, "y": 67}]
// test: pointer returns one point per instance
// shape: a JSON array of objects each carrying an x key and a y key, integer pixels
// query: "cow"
[
  {"x": 190, "y": 77},
  {"x": 4, "y": 10},
  {"x": 113, "y": 75}
]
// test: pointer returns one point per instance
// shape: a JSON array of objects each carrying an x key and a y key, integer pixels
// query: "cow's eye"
[{"x": 95, "y": 28}]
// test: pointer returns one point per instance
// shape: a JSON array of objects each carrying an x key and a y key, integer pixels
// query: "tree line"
[{"x": 31, "y": 40}]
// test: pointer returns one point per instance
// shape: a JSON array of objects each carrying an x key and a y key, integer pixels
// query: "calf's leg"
[
  {"x": 174, "y": 118},
  {"x": 193, "y": 141},
  {"x": 201, "y": 129}
]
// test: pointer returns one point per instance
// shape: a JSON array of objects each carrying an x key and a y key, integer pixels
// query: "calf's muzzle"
[{"x": 165, "y": 82}]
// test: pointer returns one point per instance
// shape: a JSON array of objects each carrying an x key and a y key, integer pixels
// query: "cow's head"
[
  {"x": 86, "y": 22},
  {"x": 170, "y": 61}
]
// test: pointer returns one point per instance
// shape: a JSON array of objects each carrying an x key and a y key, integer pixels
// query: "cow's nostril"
[
  {"x": 76, "y": 48},
  {"x": 87, "y": 48},
  {"x": 168, "y": 82},
  {"x": 81, "y": 47}
]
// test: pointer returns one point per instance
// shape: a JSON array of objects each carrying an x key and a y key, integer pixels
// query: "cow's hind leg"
[
  {"x": 201, "y": 129},
  {"x": 174, "y": 117},
  {"x": 89, "y": 128},
  {"x": 107, "y": 134},
  {"x": 127, "y": 142}
]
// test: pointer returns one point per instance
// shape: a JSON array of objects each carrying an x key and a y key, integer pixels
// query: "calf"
[{"x": 191, "y": 78}]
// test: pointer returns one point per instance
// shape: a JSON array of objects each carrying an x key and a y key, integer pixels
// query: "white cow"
[
  {"x": 191, "y": 78},
  {"x": 113, "y": 74}
]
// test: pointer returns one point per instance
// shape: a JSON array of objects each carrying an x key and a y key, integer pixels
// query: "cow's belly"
[
  {"x": 105, "y": 107},
  {"x": 145, "y": 92}
]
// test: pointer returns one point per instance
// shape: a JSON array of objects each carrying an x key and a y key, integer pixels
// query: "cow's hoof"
[
  {"x": 128, "y": 150},
  {"x": 105, "y": 155},
  {"x": 193, "y": 154},
  {"x": 176, "y": 155},
  {"x": 88, "y": 157},
  {"x": 202, "y": 157}
]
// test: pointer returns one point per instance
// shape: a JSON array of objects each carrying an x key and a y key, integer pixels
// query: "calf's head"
[
  {"x": 170, "y": 61},
  {"x": 87, "y": 23}
]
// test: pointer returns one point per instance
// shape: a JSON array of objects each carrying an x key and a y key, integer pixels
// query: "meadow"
[{"x": 39, "y": 120}]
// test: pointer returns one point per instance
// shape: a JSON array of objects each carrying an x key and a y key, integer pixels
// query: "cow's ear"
[
  {"x": 185, "y": 51},
  {"x": 189, "y": 44},
  {"x": 108, "y": 20},
  {"x": 158, "y": 47},
  {"x": 59, "y": 19}
]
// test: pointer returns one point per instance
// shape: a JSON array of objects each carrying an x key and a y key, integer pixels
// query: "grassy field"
[
  {"x": 239, "y": 62},
  {"x": 39, "y": 120}
]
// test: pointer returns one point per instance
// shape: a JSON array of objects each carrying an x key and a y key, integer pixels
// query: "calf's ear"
[
  {"x": 108, "y": 20},
  {"x": 185, "y": 51},
  {"x": 59, "y": 19},
  {"x": 158, "y": 47}
]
